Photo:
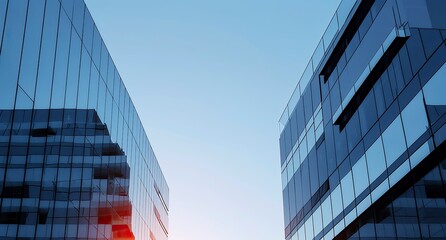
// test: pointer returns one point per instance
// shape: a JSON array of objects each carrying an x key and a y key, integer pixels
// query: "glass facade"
[
  {"x": 75, "y": 161},
  {"x": 362, "y": 140}
]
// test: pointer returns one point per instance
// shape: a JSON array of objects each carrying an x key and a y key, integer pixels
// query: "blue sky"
[{"x": 210, "y": 80}]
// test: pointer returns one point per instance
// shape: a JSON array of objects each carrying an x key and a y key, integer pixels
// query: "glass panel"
[
  {"x": 101, "y": 99},
  {"x": 23, "y": 101},
  {"x": 3, "y": 5},
  {"x": 104, "y": 61},
  {"x": 414, "y": 119},
  {"x": 11, "y": 51},
  {"x": 318, "y": 54},
  {"x": 47, "y": 54},
  {"x": 97, "y": 46},
  {"x": 348, "y": 194},
  {"x": 393, "y": 139},
  {"x": 331, "y": 31},
  {"x": 376, "y": 163},
  {"x": 336, "y": 198},
  {"x": 87, "y": 37},
  {"x": 60, "y": 68},
  {"x": 68, "y": 6},
  {"x": 309, "y": 228},
  {"x": 78, "y": 16},
  {"x": 84, "y": 79},
  {"x": 344, "y": 9},
  {"x": 317, "y": 220},
  {"x": 360, "y": 176},
  {"x": 434, "y": 95},
  {"x": 327, "y": 217},
  {"x": 73, "y": 71},
  {"x": 93, "y": 91},
  {"x": 31, "y": 47}
]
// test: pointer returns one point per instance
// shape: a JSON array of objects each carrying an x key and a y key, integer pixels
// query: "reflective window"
[
  {"x": 87, "y": 37},
  {"x": 414, "y": 119},
  {"x": 327, "y": 216},
  {"x": 84, "y": 79},
  {"x": 393, "y": 139},
  {"x": 301, "y": 232},
  {"x": 73, "y": 71},
  {"x": 93, "y": 89},
  {"x": 376, "y": 163},
  {"x": 60, "y": 68},
  {"x": 348, "y": 194},
  {"x": 68, "y": 6},
  {"x": 434, "y": 95},
  {"x": 360, "y": 176},
  {"x": 309, "y": 228},
  {"x": 104, "y": 61},
  {"x": 11, "y": 51},
  {"x": 336, "y": 199},
  {"x": 416, "y": 53},
  {"x": 3, "y": 5},
  {"x": 47, "y": 54},
  {"x": 31, "y": 47},
  {"x": 97, "y": 46},
  {"x": 367, "y": 113},
  {"x": 317, "y": 220},
  {"x": 23, "y": 101},
  {"x": 78, "y": 16}
]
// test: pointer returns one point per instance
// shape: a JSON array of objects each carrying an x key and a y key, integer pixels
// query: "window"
[
  {"x": 348, "y": 194},
  {"x": 31, "y": 47},
  {"x": 11, "y": 51},
  {"x": 414, "y": 119},
  {"x": 394, "y": 143},
  {"x": 336, "y": 198},
  {"x": 360, "y": 176},
  {"x": 326, "y": 211},
  {"x": 47, "y": 54},
  {"x": 434, "y": 95},
  {"x": 60, "y": 68},
  {"x": 376, "y": 163}
]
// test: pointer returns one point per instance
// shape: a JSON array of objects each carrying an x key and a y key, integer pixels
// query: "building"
[
  {"x": 362, "y": 137},
  {"x": 75, "y": 161}
]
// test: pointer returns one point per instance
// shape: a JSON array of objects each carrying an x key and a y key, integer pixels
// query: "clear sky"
[{"x": 210, "y": 79}]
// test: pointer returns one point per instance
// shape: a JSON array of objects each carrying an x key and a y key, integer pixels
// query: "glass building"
[
  {"x": 362, "y": 139},
  {"x": 75, "y": 161}
]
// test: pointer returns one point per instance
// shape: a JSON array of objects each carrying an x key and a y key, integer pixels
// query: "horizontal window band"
[
  {"x": 416, "y": 174},
  {"x": 320, "y": 193},
  {"x": 345, "y": 39},
  {"x": 379, "y": 63}
]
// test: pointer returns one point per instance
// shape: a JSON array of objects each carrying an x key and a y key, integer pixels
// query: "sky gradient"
[{"x": 210, "y": 80}]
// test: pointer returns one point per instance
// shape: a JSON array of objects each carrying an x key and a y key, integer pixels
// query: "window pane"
[
  {"x": 60, "y": 68},
  {"x": 84, "y": 79},
  {"x": 11, "y": 51},
  {"x": 97, "y": 45},
  {"x": 3, "y": 4},
  {"x": 360, "y": 177},
  {"x": 415, "y": 119},
  {"x": 87, "y": 37},
  {"x": 394, "y": 143},
  {"x": 317, "y": 220},
  {"x": 309, "y": 228},
  {"x": 326, "y": 211},
  {"x": 376, "y": 163},
  {"x": 336, "y": 201},
  {"x": 348, "y": 194},
  {"x": 78, "y": 16},
  {"x": 434, "y": 95},
  {"x": 47, "y": 53},
  {"x": 73, "y": 71},
  {"x": 93, "y": 91},
  {"x": 31, "y": 47}
]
